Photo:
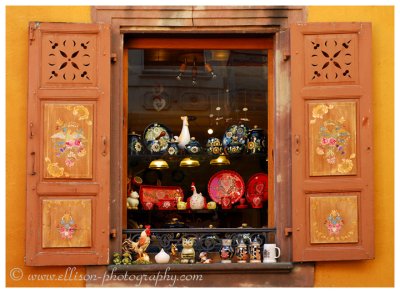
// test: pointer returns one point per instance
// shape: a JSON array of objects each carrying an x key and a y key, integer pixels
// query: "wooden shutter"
[
  {"x": 332, "y": 157},
  {"x": 68, "y": 144}
]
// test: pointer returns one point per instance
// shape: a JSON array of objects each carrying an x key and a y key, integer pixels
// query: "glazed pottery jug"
[
  {"x": 173, "y": 149},
  {"x": 255, "y": 252},
  {"x": 241, "y": 252},
  {"x": 193, "y": 147},
  {"x": 235, "y": 147},
  {"x": 214, "y": 146},
  {"x": 256, "y": 201},
  {"x": 226, "y": 252},
  {"x": 135, "y": 147},
  {"x": 256, "y": 141}
]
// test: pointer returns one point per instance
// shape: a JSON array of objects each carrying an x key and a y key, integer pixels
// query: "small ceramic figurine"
[
  {"x": 184, "y": 137},
  {"x": 197, "y": 201},
  {"x": 211, "y": 205},
  {"x": 174, "y": 253},
  {"x": 181, "y": 205},
  {"x": 188, "y": 253},
  {"x": 133, "y": 201},
  {"x": 226, "y": 252},
  {"x": 127, "y": 260},
  {"x": 162, "y": 257},
  {"x": 204, "y": 257}
]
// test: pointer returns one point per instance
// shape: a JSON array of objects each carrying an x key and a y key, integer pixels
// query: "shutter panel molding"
[
  {"x": 68, "y": 174},
  {"x": 332, "y": 147}
]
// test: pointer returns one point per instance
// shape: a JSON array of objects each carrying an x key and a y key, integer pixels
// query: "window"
[{"x": 63, "y": 90}]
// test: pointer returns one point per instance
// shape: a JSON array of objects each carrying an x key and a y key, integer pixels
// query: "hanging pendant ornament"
[
  {"x": 194, "y": 73},
  {"x": 245, "y": 109},
  {"x": 218, "y": 108}
]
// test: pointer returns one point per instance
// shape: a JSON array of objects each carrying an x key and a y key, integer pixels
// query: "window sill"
[{"x": 281, "y": 267}]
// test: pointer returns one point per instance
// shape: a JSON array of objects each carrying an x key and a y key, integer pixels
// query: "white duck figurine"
[
  {"x": 184, "y": 137},
  {"x": 197, "y": 201}
]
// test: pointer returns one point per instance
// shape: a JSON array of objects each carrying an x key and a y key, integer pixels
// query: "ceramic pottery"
[
  {"x": 235, "y": 147},
  {"x": 255, "y": 252},
  {"x": 256, "y": 202},
  {"x": 193, "y": 147},
  {"x": 214, "y": 146},
  {"x": 256, "y": 142},
  {"x": 241, "y": 252},
  {"x": 173, "y": 149},
  {"x": 133, "y": 201},
  {"x": 226, "y": 252},
  {"x": 184, "y": 136},
  {"x": 226, "y": 202},
  {"x": 135, "y": 146},
  {"x": 188, "y": 253},
  {"x": 162, "y": 257}
]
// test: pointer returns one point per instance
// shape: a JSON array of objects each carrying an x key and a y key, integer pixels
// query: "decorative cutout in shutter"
[
  {"x": 68, "y": 131},
  {"x": 332, "y": 190}
]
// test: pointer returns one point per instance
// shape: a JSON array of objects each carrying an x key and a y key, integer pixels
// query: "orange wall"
[{"x": 378, "y": 272}]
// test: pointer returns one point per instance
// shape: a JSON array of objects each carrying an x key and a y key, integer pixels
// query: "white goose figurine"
[
  {"x": 184, "y": 137},
  {"x": 196, "y": 201}
]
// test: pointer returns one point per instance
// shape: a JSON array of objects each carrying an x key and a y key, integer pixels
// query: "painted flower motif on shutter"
[
  {"x": 334, "y": 223},
  {"x": 69, "y": 139},
  {"x": 67, "y": 226},
  {"x": 332, "y": 138}
]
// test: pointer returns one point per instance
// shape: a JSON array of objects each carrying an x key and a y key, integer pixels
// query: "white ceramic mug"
[{"x": 271, "y": 252}]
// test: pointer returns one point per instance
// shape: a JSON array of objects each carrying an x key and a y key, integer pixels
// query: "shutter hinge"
[
  {"x": 32, "y": 28},
  {"x": 113, "y": 233},
  {"x": 288, "y": 231},
  {"x": 113, "y": 57}
]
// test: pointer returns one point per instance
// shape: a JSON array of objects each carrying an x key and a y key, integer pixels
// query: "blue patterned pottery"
[
  {"x": 214, "y": 146},
  {"x": 135, "y": 146},
  {"x": 256, "y": 142},
  {"x": 193, "y": 147}
]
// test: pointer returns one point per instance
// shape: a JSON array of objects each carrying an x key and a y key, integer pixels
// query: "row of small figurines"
[{"x": 244, "y": 253}]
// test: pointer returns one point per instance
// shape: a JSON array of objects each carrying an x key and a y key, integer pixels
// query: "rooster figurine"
[
  {"x": 197, "y": 200},
  {"x": 140, "y": 246}
]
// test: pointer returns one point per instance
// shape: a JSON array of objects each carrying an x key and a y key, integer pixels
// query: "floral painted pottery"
[
  {"x": 156, "y": 137},
  {"x": 226, "y": 183},
  {"x": 173, "y": 149},
  {"x": 193, "y": 147},
  {"x": 162, "y": 257},
  {"x": 238, "y": 131},
  {"x": 197, "y": 200},
  {"x": 255, "y": 251},
  {"x": 235, "y": 147},
  {"x": 226, "y": 253},
  {"x": 256, "y": 141},
  {"x": 135, "y": 146},
  {"x": 241, "y": 252},
  {"x": 257, "y": 185},
  {"x": 214, "y": 146},
  {"x": 226, "y": 202}
]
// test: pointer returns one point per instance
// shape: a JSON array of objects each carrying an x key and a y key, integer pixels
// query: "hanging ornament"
[{"x": 245, "y": 109}]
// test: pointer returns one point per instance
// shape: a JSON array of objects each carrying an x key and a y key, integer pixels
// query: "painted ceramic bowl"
[{"x": 256, "y": 141}]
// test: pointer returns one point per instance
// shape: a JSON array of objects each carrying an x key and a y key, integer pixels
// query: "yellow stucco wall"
[{"x": 378, "y": 272}]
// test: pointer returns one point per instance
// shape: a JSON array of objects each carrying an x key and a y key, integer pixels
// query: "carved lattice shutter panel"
[
  {"x": 332, "y": 159},
  {"x": 68, "y": 149}
]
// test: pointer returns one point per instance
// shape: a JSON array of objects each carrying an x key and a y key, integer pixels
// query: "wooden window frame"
[{"x": 156, "y": 21}]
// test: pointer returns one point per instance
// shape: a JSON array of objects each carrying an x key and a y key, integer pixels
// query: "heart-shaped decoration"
[
  {"x": 259, "y": 187},
  {"x": 159, "y": 103},
  {"x": 225, "y": 201},
  {"x": 256, "y": 201}
]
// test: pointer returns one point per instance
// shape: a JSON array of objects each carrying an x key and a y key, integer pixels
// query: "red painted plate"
[
  {"x": 226, "y": 182},
  {"x": 257, "y": 185}
]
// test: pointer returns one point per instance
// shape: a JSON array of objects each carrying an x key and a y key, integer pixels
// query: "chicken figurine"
[
  {"x": 140, "y": 246},
  {"x": 197, "y": 200}
]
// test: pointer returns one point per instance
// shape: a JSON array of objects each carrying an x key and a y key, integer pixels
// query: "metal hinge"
[
  {"x": 113, "y": 57},
  {"x": 288, "y": 231},
  {"x": 32, "y": 28}
]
